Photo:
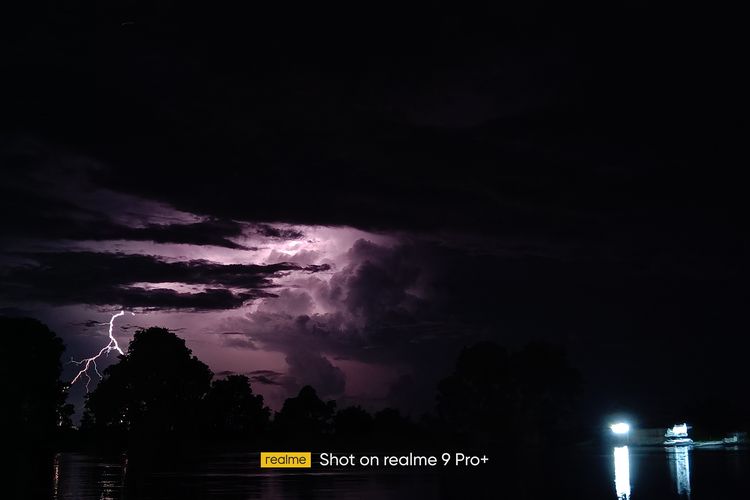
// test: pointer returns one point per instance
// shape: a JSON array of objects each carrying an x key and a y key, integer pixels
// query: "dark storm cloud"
[
  {"x": 276, "y": 232},
  {"x": 210, "y": 232},
  {"x": 498, "y": 122},
  {"x": 107, "y": 278},
  {"x": 28, "y": 215},
  {"x": 379, "y": 315},
  {"x": 266, "y": 377},
  {"x": 477, "y": 119},
  {"x": 310, "y": 368},
  {"x": 372, "y": 119},
  {"x": 379, "y": 280},
  {"x": 164, "y": 298},
  {"x": 49, "y": 195},
  {"x": 238, "y": 340},
  {"x": 89, "y": 323},
  {"x": 383, "y": 302}
]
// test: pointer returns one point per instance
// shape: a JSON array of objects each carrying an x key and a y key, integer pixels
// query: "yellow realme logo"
[{"x": 286, "y": 459}]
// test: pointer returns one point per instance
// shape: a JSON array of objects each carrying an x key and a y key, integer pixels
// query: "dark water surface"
[{"x": 637, "y": 473}]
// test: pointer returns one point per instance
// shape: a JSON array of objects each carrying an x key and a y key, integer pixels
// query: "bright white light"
[
  {"x": 622, "y": 472},
  {"x": 679, "y": 430},
  {"x": 620, "y": 428},
  {"x": 88, "y": 362}
]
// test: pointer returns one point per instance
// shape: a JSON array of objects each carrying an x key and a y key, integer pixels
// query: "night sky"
[{"x": 347, "y": 196}]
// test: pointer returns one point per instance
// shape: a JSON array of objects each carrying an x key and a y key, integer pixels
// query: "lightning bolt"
[{"x": 88, "y": 363}]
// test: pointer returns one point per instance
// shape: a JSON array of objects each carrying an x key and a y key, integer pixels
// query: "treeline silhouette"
[
  {"x": 159, "y": 400},
  {"x": 33, "y": 411},
  {"x": 159, "y": 393}
]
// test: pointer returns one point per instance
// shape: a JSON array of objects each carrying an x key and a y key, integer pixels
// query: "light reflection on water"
[
  {"x": 679, "y": 458},
  {"x": 586, "y": 475},
  {"x": 77, "y": 475},
  {"x": 56, "y": 476},
  {"x": 622, "y": 472},
  {"x": 85, "y": 477}
]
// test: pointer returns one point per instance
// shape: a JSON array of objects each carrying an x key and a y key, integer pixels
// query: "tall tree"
[
  {"x": 231, "y": 408},
  {"x": 33, "y": 403},
  {"x": 353, "y": 422},
  {"x": 157, "y": 386},
  {"x": 527, "y": 396},
  {"x": 33, "y": 396},
  {"x": 478, "y": 395},
  {"x": 305, "y": 416}
]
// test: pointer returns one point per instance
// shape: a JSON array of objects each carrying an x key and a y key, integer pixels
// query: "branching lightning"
[{"x": 88, "y": 363}]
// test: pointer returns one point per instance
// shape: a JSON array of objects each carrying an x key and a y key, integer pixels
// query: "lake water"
[{"x": 624, "y": 473}]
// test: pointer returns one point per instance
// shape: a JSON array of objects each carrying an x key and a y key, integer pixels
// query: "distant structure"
[
  {"x": 677, "y": 435},
  {"x": 736, "y": 438}
]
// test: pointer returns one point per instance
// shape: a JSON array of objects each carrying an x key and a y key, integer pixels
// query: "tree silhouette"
[
  {"x": 34, "y": 408},
  {"x": 33, "y": 396},
  {"x": 391, "y": 421},
  {"x": 392, "y": 429},
  {"x": 353, "y": 422},
  {"x": 231, "y": 408},
  {"x": 527, "y": 396},
  {"x": 478, "y": 396},
  {"x": 548, "y": 391},
  {"x": 305, "y": 416},
  {"x": 156, "y": 387}
]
